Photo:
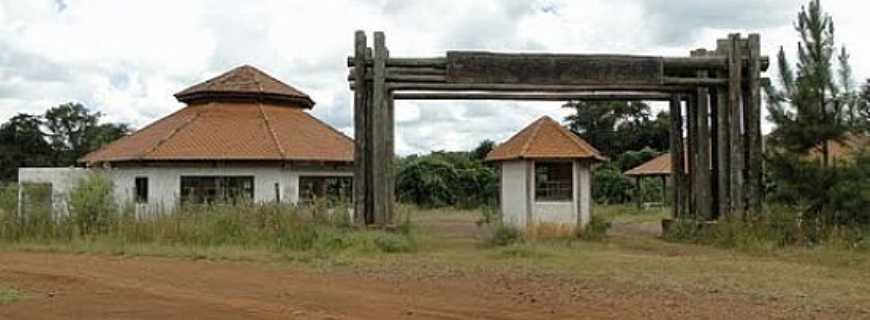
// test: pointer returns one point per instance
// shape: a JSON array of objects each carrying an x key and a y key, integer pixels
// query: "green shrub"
[
  {"x": 91, "y": 204},
  {"x": 394, "y": 243},
  {"x": 596, "y": 230},
  {"x": 500, "y": 234}
]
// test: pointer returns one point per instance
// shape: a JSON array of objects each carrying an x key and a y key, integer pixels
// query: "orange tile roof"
[
  {"x": 658, "y": 166},
  {"x": 243, "y": 83},
  {"x": 243, "y": 128},
  {"x": 544, "y": 138}
]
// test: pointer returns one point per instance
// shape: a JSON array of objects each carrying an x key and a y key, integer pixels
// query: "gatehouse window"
[
  {"x": 141, "y": 189},
  {"x": 210, "y": 189},
  {"x": 333, "y": 188},
  {"x": 554, "y": 181}
]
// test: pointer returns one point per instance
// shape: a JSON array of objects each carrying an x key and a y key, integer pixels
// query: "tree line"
[{"x": 56, "y": 138}]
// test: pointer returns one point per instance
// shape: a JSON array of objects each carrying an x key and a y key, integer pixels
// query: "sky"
[{"x": 125, "y": 59}]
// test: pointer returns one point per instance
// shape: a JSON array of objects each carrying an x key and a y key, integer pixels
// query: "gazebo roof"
[
  {"x": 658, "y": 166},
  {"x": 544, "y": 139},
  {"x": 248, "y": 125},
  {"x": 245, "y": 83}
]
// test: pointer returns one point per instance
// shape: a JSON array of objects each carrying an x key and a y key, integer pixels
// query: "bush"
[
  {"x": 596, "y": 230},
  {"x": 91, "y": 204},
  {"x": 500, "y": 235},
  {"x": 394, "y": 243},
  {"x": 610, "y": 186}
]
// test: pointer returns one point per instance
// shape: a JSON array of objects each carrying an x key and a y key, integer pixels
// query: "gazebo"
[
  {"x": 545, "y": 178},
  {"x": 659, "y": 167}
]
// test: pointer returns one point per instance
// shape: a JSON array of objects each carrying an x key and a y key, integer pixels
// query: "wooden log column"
[
  {"x": 692, "y": 158},
  {"x": 703, "y": 190},
  {"x": 753, "y": 127},
  {"x": 360, "y": 122},
  {"x": 380, "y": 162},
  {"x": 677, "y": 155},
  {"x": 736, "y": 135}
]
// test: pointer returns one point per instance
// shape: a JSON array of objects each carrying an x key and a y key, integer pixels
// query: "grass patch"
[{"x": 10, "y": 295}]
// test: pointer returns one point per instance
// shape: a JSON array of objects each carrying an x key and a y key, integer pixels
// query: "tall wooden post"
[
  {"x": 703, "y": 190},
  {"x": 753, "y": 126},
  {"x": 723, "y": 136},
  {"x": 677, "y": 167},
  {"x": 637, "y": 192},
  {"x": 380, "y": 178},
  {"x": 360, "y": 124},
  {"x": 692, "y": 151},
  {"x": 736, "y": 139}
]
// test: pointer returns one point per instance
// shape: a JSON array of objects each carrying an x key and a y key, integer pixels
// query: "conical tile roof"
[
  {"x": 245, "y": 83},
  {"x": 544, "y": 139}
]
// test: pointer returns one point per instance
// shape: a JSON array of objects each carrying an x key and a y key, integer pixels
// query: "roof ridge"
[
  {"x": 272, "y": 131},
  {"x": 267, "y": 122},
  {"x": 172, "y": 133},
  {"x": 532, "y": 136},
  {"x": 119, "y": 140}
]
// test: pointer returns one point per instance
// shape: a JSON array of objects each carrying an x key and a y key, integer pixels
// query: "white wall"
[
  {"x": 514, "y": 193},
  {"x": 164, "y": 181},
  {"x": 520, "y": 208},
  {"x": 61, "y": 179}
]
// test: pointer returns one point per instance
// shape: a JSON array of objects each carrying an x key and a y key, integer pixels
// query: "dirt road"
[{"x": 98, "y": 287}]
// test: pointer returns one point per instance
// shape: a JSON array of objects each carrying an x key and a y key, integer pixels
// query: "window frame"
[
  {"x": 560, "y": 189},
  {"x": 223, "y": 189},
  {"x": 343, "y": 183},
  {"x": 140, "y": 194}
]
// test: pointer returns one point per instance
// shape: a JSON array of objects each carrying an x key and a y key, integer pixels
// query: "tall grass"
[
  {"x": 776, "y": 228},
  {"x": 320, "y": 227}
]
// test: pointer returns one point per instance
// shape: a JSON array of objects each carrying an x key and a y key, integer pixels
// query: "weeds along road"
[{"x": 62, "y": 286}]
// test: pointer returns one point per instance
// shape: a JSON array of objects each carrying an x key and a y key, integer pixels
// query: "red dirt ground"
[{"x": 99, "y": 287}]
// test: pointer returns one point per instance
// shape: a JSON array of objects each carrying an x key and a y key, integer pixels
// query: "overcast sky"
[{"x": 126, "y": 58}]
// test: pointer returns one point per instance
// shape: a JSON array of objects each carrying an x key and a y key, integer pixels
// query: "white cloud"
[{"x": 127, "y": 58}]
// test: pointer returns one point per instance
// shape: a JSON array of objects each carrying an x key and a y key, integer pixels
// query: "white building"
[
  {"x": 545, "y": 178},
  {"x": 243, "y": 134}
]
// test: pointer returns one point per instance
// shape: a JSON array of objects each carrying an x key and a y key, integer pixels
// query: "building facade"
[{"x": 241, "y": 135}]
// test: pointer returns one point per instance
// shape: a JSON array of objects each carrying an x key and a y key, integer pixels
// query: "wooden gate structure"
[{"x": 715, "y": 93}]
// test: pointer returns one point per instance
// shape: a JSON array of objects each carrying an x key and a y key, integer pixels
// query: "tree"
[
  {"x": 73, "y": 131},
  {"x": 812, "y": 108},
  {"x": 616, "y": 127},
  {"x": 22, "y": 143},
  {"x": 482, "y": 150}
]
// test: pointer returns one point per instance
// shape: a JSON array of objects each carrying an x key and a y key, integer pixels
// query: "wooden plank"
[
  {"x": 714, "y": 150},
  {"x": 702, "y": 142},
  {"x": 563, "y": 96},
  {"x": 359, "y": 119},
  {"x": 442, "y": 78},
  {"x": 735, "y": 131},
  {"x": 544, "y": 69},
  {"x": 753, "y": 126},
  {"x": 676, "y": 137},
  {"x": 379, "y": 91}
]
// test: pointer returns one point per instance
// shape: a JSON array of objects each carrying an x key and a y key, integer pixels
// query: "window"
[
  {"x": 554, "y": 181},
  {"x": 209, "y": 189},
  {"x": 141, "y": 190},
  {"x": 327, "y": 187}
]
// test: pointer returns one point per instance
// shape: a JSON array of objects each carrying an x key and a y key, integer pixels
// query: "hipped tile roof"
[
  {"x": 244, "y": 128},
  {"x": 544, "y": 139}
]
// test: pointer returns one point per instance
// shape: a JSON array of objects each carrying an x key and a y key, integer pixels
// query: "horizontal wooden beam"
[
  {"x": 531, "y": 88},
  {"x": 563, "y": 96},
  {"x": 678, "y": 65}
]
